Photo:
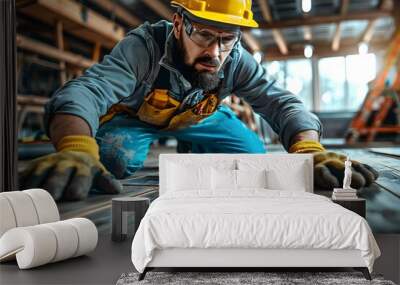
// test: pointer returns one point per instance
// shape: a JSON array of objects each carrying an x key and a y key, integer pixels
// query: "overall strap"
[
  {"x": 160, "y": 78},
  {"x": 155, "y": 37}
]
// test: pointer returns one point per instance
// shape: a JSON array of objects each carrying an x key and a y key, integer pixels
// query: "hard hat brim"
[
  {"x": 215, "y": 19},
  {"x": 218, "y": 25}
]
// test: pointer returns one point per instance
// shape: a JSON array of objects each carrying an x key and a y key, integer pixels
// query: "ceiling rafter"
[
  {"x": 276, "y": 33},
  {"x": 307, "y": 33},
  {"x": 319, "y": 20},
  {"x": 368, "y": 33},
  {"x": 320, "y": 50},
  {"x": 120, "y": 12},
  {"x": 160, "y": 8},
  {"x": 251, "y": 41},
  {"x": 344, "y": 7}
]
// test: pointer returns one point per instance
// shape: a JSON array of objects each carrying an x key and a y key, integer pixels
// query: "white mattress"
[{"x": 257, "y": 218}]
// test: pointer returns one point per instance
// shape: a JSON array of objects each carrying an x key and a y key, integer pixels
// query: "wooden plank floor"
[
  {"x": 383, "y": 196},
  {"x": 97, "y": 207}
]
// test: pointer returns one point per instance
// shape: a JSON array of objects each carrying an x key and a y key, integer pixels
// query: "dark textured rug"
[{"x": 273, "y": 278}]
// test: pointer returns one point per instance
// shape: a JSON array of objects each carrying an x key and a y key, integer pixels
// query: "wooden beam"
[
  {"x": 278, "y": 37},
  {"x": 266, "y": 12},
  {"x": 96, "y": 52},
  {"x": 77, "y": 20},
  {"x": 30, "y": 109},
  {"x": 318, "y": 20},
  {"x": 307, "y": 33},
  {"x": 23, "y": 57},
  {"x": 25, "y": 23},
  {"x": 396, "y": 13},
  {"x": 59, "y": 35},
  {"x": 120, "y": 12},
  {"x": 280, "y": 41},
  {"x": 32, "y": 100},
  {"x": 52, "y": 52},
  {"x": 251, "y": 41},
  {"x": 75, "y": 72},
  {"x": 320, "y": 50},
  {"x": 344, "y": 7},
  {"x": 337, "y": 36},
  {"x": 368, "y": 32},
  {"x": 160, "y": 8},
  {"x": 385, "y": 5},
  {"x": 60, "y": 45}
]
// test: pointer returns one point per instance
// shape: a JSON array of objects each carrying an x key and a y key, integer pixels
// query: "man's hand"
[
  {"x": 329, "y": 171},
  {"x": 69, "y": 174},
  {"x": 329, "y": 167}
]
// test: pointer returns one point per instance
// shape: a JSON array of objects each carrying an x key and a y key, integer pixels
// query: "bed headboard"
[{"x": 281, "y": 162}]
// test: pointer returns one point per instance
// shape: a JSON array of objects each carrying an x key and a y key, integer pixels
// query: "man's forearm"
[
  {"x": 305, "y": 135},
  {"x": 64, "y": 125},
  {"x": 306, "y": 142}
]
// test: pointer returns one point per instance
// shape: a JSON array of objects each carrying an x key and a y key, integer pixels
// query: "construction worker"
[{"x": 167, "y": 79}]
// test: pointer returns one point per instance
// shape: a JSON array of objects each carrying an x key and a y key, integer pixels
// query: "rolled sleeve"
[
  {"x": 283, "y": 111},
  {"x": 102, "y": 85}
]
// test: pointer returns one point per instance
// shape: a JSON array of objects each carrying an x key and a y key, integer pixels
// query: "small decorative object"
[
  {"x": 347, "y": 174},
  {"x": 127, "y": 212},
  {"x": 345, "y": 193}
]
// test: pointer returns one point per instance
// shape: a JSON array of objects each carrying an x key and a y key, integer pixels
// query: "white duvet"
[{"x": 253, "y": 218}]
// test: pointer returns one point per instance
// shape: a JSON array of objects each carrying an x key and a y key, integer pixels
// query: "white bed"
[{"x": 241, "y": 210}]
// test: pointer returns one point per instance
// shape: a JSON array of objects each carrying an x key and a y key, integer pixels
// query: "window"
[
  {"x": 343, "y": 81},
  {"x": 299, "y": 80},
  {"x": 332, "y": 83},
  {"x": 360, "y": 69},
  {"x": 276, "y": 70},
  {"x": 293, "y": 75}
]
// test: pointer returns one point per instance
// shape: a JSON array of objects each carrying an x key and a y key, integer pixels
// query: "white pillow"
[
  {"x": 188, "y": 177},
  {"x": 223, "y": 179},
  {"x": 251, "y": 178},
  {"x": 227, "y": 179},
  {"x": 282, "y": 174},
  {"x": 279, "y": 180}
]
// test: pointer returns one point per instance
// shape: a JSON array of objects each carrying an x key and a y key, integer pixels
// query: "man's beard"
[{"x": 208, "y": 81}]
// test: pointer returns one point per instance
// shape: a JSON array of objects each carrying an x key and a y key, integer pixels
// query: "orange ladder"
[{"x": 359, "y": 125}]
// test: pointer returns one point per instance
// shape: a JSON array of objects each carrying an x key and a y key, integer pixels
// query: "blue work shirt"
[{"x": 128, "y": 73}]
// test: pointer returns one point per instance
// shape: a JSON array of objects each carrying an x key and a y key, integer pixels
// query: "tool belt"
[{"x": 163, "y": 111}]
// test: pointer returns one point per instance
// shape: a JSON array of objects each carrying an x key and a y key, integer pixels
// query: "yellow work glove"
[
  {"x": 329, "y": 167},
  {"x": 71, "y": 172}
]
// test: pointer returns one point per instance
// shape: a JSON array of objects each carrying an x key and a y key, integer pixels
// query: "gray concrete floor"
[{"x": 102, "y": 266}]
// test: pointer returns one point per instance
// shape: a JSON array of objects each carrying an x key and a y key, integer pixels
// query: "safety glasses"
[{"x": 205, "y": 38}]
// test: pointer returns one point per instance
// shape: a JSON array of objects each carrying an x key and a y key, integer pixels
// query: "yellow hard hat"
[{"x": 232, "y": 12}]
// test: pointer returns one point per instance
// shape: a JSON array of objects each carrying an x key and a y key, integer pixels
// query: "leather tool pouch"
[
  {"x": 157, "y": 108},
  {"x": 192, "y": 116}
]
